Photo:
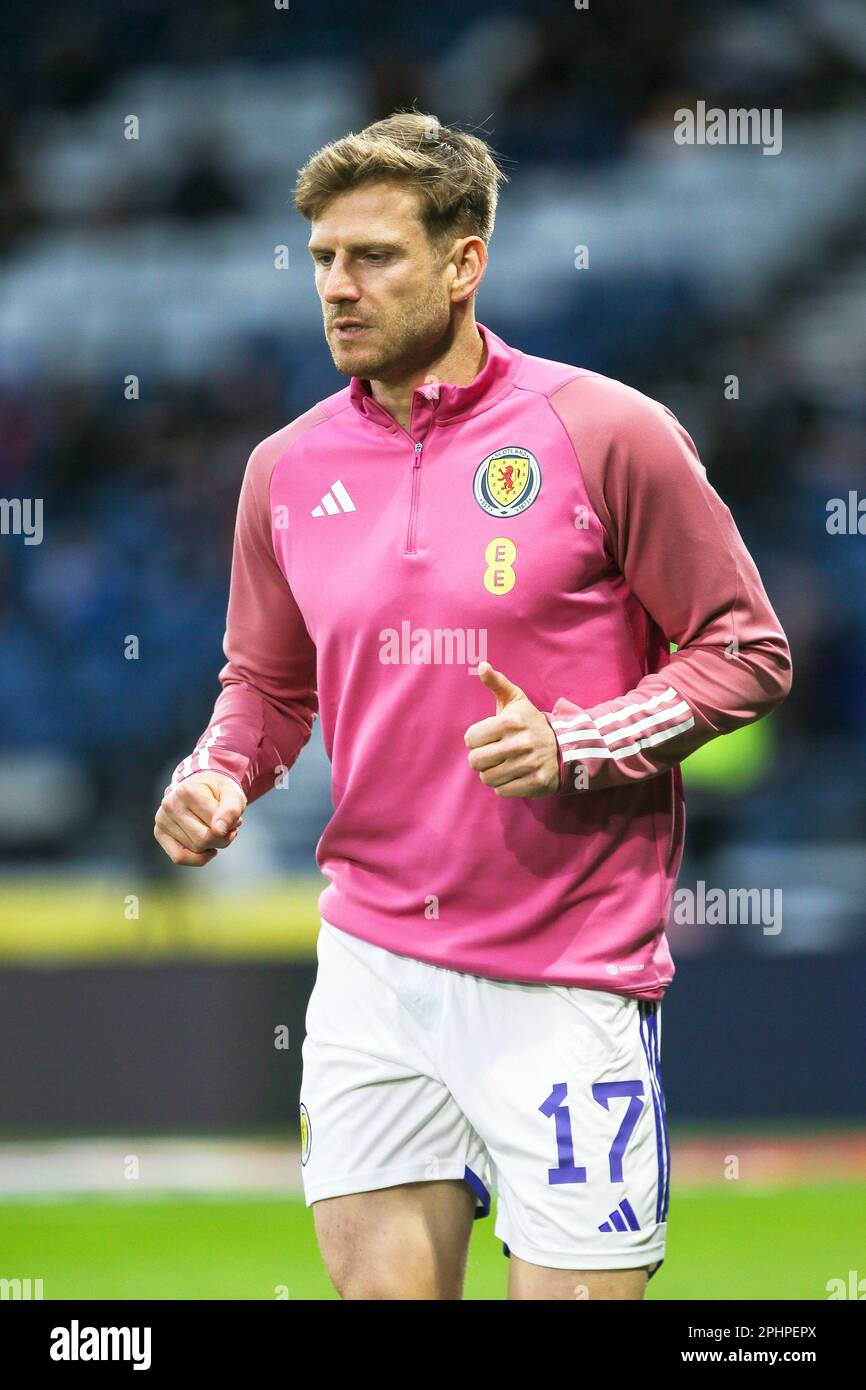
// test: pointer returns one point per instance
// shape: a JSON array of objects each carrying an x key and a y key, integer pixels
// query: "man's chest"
[{"x": 483, "y": 522}]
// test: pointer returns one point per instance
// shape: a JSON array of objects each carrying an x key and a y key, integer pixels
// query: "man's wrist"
[{"x": 559, "y": 760}]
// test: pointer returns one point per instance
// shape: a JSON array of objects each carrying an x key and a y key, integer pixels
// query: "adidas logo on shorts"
[{"x": 622, "y": 1219}]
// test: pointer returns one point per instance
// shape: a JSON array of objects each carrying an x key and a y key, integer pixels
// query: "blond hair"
[{"x": 456, "y": 175}]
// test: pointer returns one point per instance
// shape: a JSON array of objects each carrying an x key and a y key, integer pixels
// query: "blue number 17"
[{"x": 602, "y": 1092}]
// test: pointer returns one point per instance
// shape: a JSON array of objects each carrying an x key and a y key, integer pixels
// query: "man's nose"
[{"x": 339, "y": 283}]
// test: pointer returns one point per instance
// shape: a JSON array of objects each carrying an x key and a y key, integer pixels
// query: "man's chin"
[{"x": 351, "y": 361}]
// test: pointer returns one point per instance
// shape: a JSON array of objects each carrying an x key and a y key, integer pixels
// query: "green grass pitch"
[{"x": 725, "y": 1242}]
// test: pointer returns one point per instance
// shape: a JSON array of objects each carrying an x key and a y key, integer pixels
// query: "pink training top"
[{"x": 560, "y": 525}]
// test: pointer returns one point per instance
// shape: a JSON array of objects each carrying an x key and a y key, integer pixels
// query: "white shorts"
[{"x": 551, "y": 1094}]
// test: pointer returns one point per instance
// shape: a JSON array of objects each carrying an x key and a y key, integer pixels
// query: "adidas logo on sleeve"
[{"x": 336, "y": 500}]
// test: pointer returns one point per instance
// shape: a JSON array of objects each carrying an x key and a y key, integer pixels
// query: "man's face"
[{"x": 384, "y": 287}]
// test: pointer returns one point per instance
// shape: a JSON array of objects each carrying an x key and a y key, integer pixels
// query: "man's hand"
[
  {"x": 202, "y": 814},
  {"x": 514, "y": 751}
]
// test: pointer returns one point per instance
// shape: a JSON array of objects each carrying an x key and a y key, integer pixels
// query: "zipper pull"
[{"x": 418, "y": 447}]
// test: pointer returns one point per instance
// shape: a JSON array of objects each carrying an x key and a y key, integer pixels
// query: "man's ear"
[{"x": 470, "y": 262}]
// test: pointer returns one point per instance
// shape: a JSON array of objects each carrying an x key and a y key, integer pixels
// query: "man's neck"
[{"x": 458, "y": 364}]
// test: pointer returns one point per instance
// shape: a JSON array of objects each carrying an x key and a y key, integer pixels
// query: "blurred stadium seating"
[{"x": 155, "y": 258}]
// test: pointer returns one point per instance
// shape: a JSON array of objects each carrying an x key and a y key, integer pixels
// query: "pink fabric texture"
[{"x": 374, "y": 567}]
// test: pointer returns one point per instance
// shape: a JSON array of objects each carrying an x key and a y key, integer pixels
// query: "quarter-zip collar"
[{"x": 449, "y": 402}]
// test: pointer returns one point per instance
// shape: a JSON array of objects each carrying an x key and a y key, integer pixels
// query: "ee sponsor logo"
[{"x": 499, "y": 576}]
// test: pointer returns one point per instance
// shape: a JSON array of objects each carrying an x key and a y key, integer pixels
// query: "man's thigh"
[
  {"x": 406, "y": 1242},
  {"x": 564, "y": 1090},
  {"x": 392, "y": 1168}
]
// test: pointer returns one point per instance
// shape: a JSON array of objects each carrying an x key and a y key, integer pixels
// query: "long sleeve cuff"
[{"x": 640, "y": 735}]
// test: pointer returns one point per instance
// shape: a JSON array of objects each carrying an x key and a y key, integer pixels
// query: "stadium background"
[{"x": 147, "y": 1113}]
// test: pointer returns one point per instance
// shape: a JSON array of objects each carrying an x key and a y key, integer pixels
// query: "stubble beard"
[{"x": 404, "y": 343}]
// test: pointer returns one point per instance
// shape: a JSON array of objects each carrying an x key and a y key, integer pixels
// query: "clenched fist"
[
  {"x": 202, "y": 814},
  {"x": 514, "y": 751}
]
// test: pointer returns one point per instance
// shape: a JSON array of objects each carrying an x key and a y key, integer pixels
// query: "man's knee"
[
  {"x": 358, "y": 1271},
  {"x": 373, "y": 1285},
  {"x": 529, "y": 1281}
]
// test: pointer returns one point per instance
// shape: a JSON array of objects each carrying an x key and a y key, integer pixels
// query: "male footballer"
[{"x": 472, "y": 564}]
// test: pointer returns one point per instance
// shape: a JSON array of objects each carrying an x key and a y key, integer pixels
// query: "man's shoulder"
[
  {"x": 270, "y": 450},
  {"x": 614, "y": 430},
  {"x": 573, "y": 390}
]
